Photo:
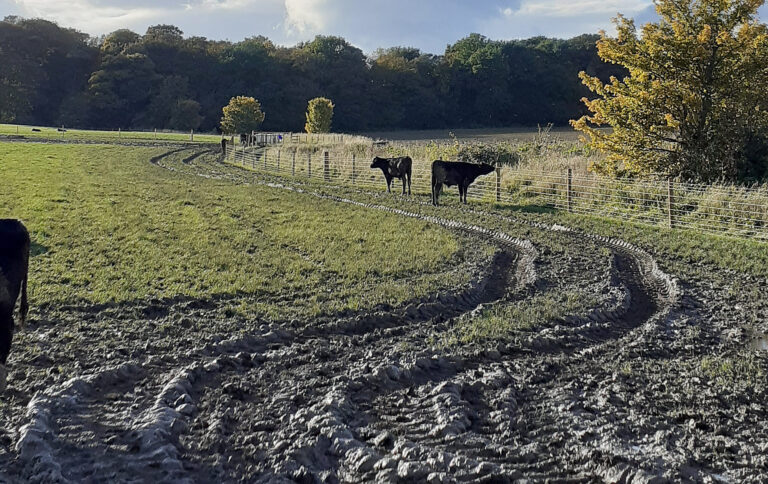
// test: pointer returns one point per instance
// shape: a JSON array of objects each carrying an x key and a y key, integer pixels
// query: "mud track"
[{"x": 371, "y": 397}]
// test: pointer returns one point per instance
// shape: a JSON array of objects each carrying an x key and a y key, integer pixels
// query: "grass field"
[
  {"x": 49, "y": 133},
  {"x": 108, "y": 226}
]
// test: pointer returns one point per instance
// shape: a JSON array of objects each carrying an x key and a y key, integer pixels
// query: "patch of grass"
[
  {"x": 733, "y": 371},
  {"x": 502, "y": 320},
  {"x": 107, "y": 226},
  {"x": 618, "y": 208},
  {"x": 46, "y": 133}
]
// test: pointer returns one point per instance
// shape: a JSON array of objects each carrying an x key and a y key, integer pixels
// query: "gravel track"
[{"x": 370, "y": 396}]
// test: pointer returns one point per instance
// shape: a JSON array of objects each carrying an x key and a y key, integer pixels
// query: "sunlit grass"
[{"x": 107, "y": 226}]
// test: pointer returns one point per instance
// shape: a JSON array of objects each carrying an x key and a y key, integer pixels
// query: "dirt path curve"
[{"x": 360, "y": 398}]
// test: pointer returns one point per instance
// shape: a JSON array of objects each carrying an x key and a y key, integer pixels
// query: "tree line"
[{"x": 162, "y": 79}]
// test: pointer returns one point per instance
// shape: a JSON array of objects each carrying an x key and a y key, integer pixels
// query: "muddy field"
[{"x": 637, "y": 388}]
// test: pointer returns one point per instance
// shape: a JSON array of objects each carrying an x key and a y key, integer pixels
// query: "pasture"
[
  {"x": 47, "y": 133},
  {"x": 196, "y": 319}
]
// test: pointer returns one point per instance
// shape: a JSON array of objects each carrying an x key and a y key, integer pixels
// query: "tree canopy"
[
  {"x": 242, "y": 115},
  {"x": 694, "y": 100},
  {"x": 52, "y": 76},
  {"x": 319, "y": 115}
]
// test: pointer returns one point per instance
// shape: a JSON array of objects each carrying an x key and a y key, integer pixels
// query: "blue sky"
[{"x": 427, "y": 24}]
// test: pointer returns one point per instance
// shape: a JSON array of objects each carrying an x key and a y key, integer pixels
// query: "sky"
[{"x": 429, "y": 25}]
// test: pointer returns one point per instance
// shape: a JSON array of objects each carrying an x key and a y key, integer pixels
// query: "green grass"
[
  {"x": 107, "y": 226},
  {"x": 51, "y": 133},
  {"x": 502, "y": 320},
  {"x": 682, "y": 251}
]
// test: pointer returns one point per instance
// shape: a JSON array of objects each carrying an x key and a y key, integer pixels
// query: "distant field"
[
  {"x": 488, "y": 135},
  {"x": 109, "y": 226},
  {"x": 13, "y": 130}
]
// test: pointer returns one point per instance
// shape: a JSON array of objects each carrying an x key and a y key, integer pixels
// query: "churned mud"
[{"x": 635, "y": 388}]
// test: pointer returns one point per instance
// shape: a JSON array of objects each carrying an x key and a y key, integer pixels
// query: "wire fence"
[{"x": 716, "y": 209}]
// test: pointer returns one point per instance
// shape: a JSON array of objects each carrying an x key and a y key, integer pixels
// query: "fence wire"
[{"x": 715, "y": 209}]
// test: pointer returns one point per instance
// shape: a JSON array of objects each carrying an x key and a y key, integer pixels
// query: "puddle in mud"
[{"x": 760, "y": 343}]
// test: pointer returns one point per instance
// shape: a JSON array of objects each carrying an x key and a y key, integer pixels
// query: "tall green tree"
[
  {"x": 694, "y": 95},
  {"x": 242, "y": 115},
  {"x": 319, "y": 115}
]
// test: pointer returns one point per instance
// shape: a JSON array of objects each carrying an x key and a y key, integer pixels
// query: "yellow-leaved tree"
[
  {"x": 243, "y": 114},
  {"x": 319, "y": 115},
  {"x": 694, "y": 98}
]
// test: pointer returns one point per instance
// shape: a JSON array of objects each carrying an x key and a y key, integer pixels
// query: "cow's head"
[
  {"x": 379, "y": 162},
  {"x": 485, "y": 168}
]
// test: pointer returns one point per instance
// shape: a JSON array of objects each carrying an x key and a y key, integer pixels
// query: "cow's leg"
[
  {"x": 6, "y": 336},
  {"x": 403, "y": 184},
  {"x": 389, "y": 182},
  {"x": 409, "y": 183}
]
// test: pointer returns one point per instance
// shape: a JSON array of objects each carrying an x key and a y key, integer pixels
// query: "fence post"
[
  {"x": 293, "y": 165},
  {"x": 191, "y": 135},
  {"x": 326, "y": 166},
  {"x": 119, "y": 134},
  {"x": 278, "y": 160},
  {"x": 670, "y": 202},
  {"x": 568, "y": 191},
  {"x": 498, "y": 183},
  {"x": 156, "y": 134},
  {"x": 309, "y": 164},
  {"x": 353, "y": 169}
]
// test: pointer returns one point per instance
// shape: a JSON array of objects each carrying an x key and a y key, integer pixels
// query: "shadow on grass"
[{"x": 37, "y": 249}]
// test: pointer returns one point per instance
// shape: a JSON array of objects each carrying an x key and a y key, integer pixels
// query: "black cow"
[
  {"x": 455, "y": 173},
  {"x": 14, "y": 264},
  {"x": 395, "y": 168}
]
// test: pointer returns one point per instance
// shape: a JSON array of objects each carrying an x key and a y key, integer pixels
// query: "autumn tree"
[
  {"x": 319, "y": 115},
  {"x": 694, "y": 96},
  {"x": 242, "y": 115}
]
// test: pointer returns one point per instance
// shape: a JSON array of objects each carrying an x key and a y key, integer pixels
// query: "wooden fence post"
[
  {"x": 353, "y": 169},
  {"x": 278, "y": 160},
  {"x": 191, "y": 135},
  {"x": 568, "y": 191},
  {"x": 309, "y": 164},
  {"x": 265, "y": 155},
  {"x": 498, "y": 183},
  {"x": 326, "y": 166},
  {"x": 293, "y": 165},
  {"x": 156, "y": 134},
  {"x": 119, "y": 133},
  {"x": 670, "y": 203}
]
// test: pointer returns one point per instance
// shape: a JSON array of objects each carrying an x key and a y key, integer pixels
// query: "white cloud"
[
  {"x": 104, "y": 16},
  {"x": 89, "y": 16},
  {"x": 307, "y": 16}
]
